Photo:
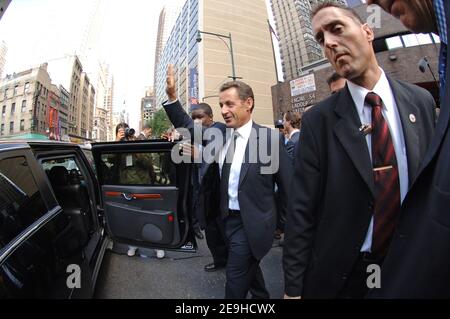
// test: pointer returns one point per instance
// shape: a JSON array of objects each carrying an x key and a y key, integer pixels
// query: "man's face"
[
  {"x": 416, "y": 15},
  {"x": 199, "y": 116},
  {"x": 337, "y": 85},
  {"x": 147, "y": 132},
  {"x": 347, "y": 43},
  {"x": 235, "y": 112}
]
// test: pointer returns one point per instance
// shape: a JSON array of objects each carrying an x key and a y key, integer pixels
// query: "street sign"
[{"x": 305, "y": 84}]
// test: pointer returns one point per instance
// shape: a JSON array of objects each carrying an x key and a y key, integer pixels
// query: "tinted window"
[
  {"x": 21, "y": 203},
  {"x": 153, "y": 169}
]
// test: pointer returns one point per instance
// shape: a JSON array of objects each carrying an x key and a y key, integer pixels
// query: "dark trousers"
[
  {"x": 281, "y": 217},
  {"x": 243, "y": 271},
  {"x": 215, "y": 239}
]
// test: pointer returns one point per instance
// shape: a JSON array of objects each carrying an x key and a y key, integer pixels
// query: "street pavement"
[{"x": 177, "y": 276}]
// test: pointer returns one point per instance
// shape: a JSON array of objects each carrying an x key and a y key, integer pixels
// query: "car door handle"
[{"x": 128, "y": 197}]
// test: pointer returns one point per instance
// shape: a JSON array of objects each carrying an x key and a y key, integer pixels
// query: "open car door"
[{"x": 145, "y": 194}]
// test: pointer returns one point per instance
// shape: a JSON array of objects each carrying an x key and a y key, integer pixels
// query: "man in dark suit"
[
  {"x": 360, "y": 149},
  {"x": 202, "y": 115},
  {"x": 418, "y": 262},
  {"x": 240, "y": 184},
  {"x": 291, "y": 122}
]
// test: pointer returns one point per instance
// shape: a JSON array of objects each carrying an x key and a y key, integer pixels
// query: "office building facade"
[{"x": 201, "y": 68}]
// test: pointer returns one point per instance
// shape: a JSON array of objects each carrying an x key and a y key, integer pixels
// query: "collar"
[
  {"x": 358, "y": 93},
  {"x": 295, "y": 130},
  {"x": 245, "y": 130}
]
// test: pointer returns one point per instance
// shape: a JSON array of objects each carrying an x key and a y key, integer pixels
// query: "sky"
[{"x": 36, "y": 31}]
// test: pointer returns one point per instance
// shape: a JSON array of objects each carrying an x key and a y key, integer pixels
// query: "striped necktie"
[{"x": 386, "y": 178}]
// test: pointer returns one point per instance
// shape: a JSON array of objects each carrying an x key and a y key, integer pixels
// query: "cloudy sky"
[{"x": 36, "y": 31}]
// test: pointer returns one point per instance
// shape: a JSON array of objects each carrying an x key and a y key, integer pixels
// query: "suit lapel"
[
  {"x": 353, "y": 141},
  {"x": 406, "y": 108},
  {"x": 246, "y": 165}
]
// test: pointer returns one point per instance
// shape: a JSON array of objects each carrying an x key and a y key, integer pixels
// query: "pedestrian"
[
  {"x": 292, "y": 121},
  {"x": 202, "y": 115},
  {"x": 146, "y": 133},
  {"x": 336, "y": 82},
  {"x": 418, "y": 263},
  {"x": 360, "y": 150}
]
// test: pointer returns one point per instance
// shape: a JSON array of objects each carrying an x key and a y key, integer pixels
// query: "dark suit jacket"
[
  {"x": 256, "y": 190},
  {"x": 331, "y": 204},
  {"x": 418, "y": 262},
  {"x": 292, "y": 145},
  {"x": 180, "y": 119}
]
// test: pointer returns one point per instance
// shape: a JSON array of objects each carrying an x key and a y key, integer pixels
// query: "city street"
[{"x": 177, "y": 276}]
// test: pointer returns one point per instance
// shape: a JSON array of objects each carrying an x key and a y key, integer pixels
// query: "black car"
[{"x": 62, "y": 205}]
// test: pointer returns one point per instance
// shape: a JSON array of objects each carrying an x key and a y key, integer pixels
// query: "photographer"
[{"x": 124, "y": 133}]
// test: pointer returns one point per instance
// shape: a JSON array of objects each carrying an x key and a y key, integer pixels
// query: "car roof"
[{"x": 8, "y": 144}]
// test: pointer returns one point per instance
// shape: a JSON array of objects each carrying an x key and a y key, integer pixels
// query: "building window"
[
  {"x": 15, "y": 89},
  {"x": 22, "y": 125},
  {"x": 27, "y": 87},
  {"x": 2, "y": 132},
  {"x": 4, "y": 111},
  {"x": 6, "y": 93},
  {"x": 13, "y": 109},
  {"x": 11, "y": 127},
  {"x": 24, "y": 106}
]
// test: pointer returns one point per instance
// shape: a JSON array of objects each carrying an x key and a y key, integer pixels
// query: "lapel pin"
[
  {"x": 412, "y": 118},
  {"x": 366, "y": 129}
]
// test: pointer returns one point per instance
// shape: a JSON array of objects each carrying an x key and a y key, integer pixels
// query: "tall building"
[
  {"x": 202, "y": 67},
  {"x": 100, "y": 112},
  {"x": 29, "y": 103},
  {"x": 110, "y": 133},
  {"x": 64, "y": 105},
  {"x": 400, "y": 53},
  {"x": 68, "y": 72},
  {"x": 296, "y": 39},
  {"x": 3, "y": 52},
  {"x": 148, "y": 106},
  {"x": 167, "y": 19},
  {"x": 3, "y": 6}
]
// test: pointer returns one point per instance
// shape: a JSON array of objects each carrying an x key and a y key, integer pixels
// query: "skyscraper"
[
  {"x": 167, "y": 19},
  {"x": 3, "y": 6},
  {"x": 201, "y": 68},
  {"x": 296, "y": 39},
  {"x": 3, "y": 52}
]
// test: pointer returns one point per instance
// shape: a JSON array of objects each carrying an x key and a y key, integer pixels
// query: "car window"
[
  {"x": 153, "y": 169},
  {"x": 21, "y": 203},
  {"x": 63, "y": 171},
  {"x": 90, "y": 158}
]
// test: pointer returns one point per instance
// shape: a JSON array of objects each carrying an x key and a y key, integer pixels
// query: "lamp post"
[{"x": 230, "y": 48}]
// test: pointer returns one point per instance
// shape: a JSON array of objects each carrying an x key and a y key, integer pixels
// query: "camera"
[{"x": 129, "y": 133}]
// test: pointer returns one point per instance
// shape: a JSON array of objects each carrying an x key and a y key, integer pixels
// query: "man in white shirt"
[
  {"x": 360, "y": 149},
  {"x": 240, "y": 185}
]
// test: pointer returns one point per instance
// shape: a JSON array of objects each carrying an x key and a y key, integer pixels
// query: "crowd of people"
[{"x": 370, "y": 182}]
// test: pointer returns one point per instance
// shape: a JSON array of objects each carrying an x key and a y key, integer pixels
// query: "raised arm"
[{"x": 177, "y": 115}]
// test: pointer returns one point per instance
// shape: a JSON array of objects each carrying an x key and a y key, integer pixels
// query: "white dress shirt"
[
  {"x": 392, "y": 117},
  {"x": 235, "y": 171}
]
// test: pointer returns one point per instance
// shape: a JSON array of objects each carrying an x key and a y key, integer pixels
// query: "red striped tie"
[{"x": 387, "y": 184}]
